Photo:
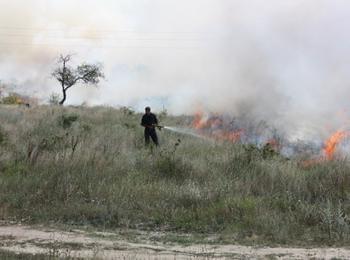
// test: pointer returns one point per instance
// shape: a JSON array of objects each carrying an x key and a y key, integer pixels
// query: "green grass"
[{"x": 89, "y": 166}]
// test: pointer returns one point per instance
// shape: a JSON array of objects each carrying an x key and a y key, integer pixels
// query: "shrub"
[
  {"x": 12, "y": 99},
  {"x": 66, "y": 121}
]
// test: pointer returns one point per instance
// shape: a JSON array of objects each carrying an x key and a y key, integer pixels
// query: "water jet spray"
[{"x": 185, "y": 131}]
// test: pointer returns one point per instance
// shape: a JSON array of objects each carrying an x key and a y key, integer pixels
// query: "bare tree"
[{"x": 90, "y": 74}]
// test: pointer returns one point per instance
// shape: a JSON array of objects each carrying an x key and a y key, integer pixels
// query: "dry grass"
[{"x": 90, "y": 166}]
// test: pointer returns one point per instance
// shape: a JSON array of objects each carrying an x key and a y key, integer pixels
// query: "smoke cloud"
[{"x": 285, "y": 62}]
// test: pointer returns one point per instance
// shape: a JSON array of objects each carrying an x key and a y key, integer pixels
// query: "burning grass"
[
  {"x": 332, "y": 143},
  {"x": 89, "y": 166}
]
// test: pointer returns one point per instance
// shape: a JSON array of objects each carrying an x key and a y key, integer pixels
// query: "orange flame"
[
  {"x": 199, "y": 122},
  {"x": 329, "y": 149},
  {"x": 216, "y": 127},
  {"x": 332, "y": 143}
]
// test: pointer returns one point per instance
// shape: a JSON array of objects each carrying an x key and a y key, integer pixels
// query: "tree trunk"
[{"x": 64, "y": 98}]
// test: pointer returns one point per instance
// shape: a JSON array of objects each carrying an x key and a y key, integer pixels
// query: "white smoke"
[{"x": 285, "y": 62}]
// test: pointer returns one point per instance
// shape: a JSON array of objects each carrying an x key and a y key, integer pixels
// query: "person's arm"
[
  {"x": 143, "y": 121},
  {"x": 157, "y": 123}
]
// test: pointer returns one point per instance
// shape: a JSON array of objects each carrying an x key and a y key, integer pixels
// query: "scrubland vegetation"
[{"x": 89, "y": 166}]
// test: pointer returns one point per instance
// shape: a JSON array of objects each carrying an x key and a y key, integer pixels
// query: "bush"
[
  {"x": 66, "y": 121},
  {"x": 12, "y": 99}
]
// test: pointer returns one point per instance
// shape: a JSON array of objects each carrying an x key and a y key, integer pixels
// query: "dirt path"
[{"x": 77, "y": 243}]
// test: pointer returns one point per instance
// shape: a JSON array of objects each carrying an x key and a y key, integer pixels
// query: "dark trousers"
[{"x": 151, "y": 133}]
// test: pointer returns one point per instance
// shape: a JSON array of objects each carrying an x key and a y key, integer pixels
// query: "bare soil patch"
[{"x": 100, "y": 245}]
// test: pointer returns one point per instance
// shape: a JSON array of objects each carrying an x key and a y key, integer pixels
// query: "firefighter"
[{"x": 150, "y": 122}]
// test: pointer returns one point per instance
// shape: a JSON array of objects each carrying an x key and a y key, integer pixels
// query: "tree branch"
[{"x": 68, "y": 77}]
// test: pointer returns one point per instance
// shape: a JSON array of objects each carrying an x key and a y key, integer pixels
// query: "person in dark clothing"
[{"x": 150, "y": 122}]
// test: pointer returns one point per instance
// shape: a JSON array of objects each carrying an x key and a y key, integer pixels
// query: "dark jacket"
[{"x": 149, "y": 121}]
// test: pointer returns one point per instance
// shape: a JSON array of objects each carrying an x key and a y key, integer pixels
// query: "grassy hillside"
[{"x": 90, "y": 166}]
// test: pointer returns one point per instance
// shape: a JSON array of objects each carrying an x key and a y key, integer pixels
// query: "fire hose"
[{"x": 160, "y": 127}]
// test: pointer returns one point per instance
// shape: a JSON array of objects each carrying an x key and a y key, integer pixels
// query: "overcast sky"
[{"x": 284, "y": 61}]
